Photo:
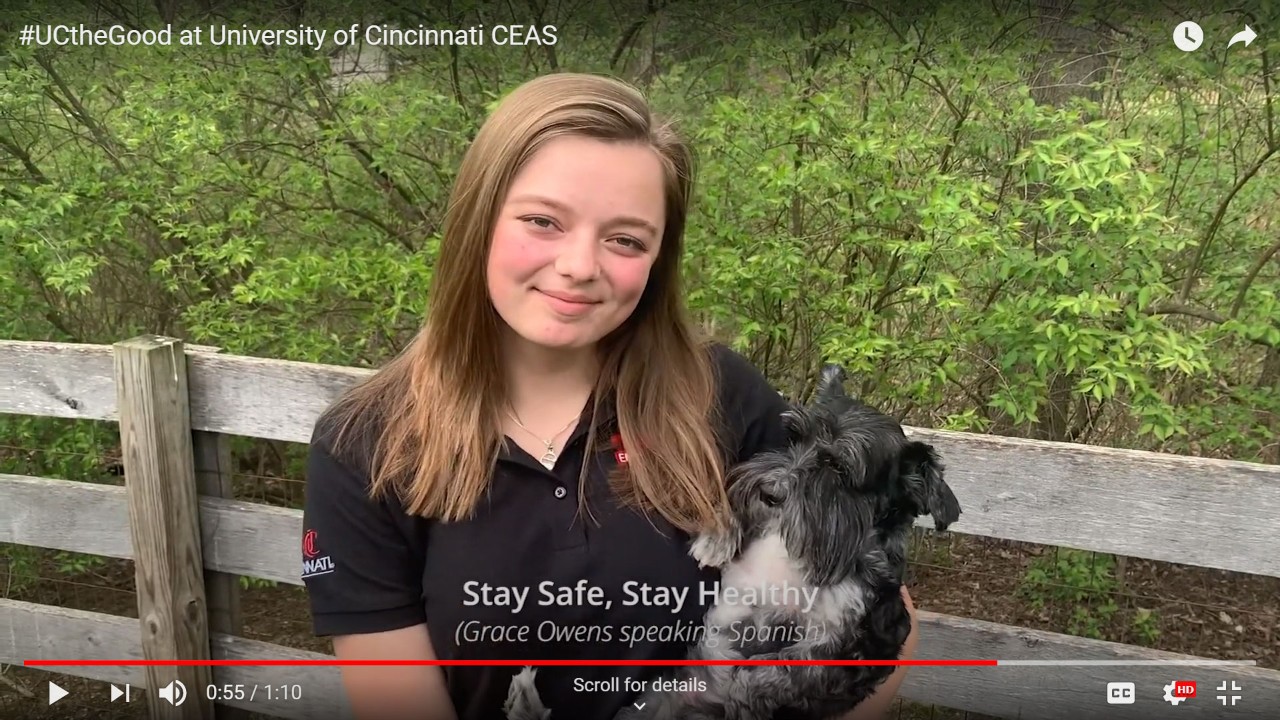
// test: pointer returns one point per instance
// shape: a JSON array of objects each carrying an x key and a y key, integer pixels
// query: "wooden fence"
[{"x": 189, "y": 541}]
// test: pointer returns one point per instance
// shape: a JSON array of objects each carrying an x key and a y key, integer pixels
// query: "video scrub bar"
[{"x": 638, "y": 663}]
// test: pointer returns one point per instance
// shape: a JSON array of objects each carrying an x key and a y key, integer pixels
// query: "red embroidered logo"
[
  {"x": 619, "y": 452},
  {"x": 309, "y": 544},
  {"x": 311, "y": 564}
]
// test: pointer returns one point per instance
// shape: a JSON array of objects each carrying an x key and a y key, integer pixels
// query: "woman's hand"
[
  {"x": 410, "y": 692},
  {"x": 876, "y": 706}
]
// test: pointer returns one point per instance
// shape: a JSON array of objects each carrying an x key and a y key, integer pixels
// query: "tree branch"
[
  {"x": 1249, "y": 277},
  {"x": 25, "y": 158},
  {"x": 104, "y": 141},
  {"x": 329, "y": 120},
  {"x": 1193, "y": 272},
  {"x": 1181, "y": 308}
]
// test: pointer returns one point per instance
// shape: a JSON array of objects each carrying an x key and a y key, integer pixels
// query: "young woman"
[{"x": 522, "y": 481}]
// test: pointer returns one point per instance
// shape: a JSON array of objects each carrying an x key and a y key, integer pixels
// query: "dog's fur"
[{"x": 830, "y": 511}]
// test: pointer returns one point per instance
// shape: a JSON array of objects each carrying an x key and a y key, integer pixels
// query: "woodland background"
[{"x": 1037, "y": 219}]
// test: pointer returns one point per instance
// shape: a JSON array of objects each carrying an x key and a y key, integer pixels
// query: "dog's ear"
[
  {"x": 793, "y": 423},
  {"x": 831, "y": 383},
  {"x": 921, "y": 471}
]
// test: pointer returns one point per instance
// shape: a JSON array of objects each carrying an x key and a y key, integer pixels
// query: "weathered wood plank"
[
  {"x": 1014, "y": 507},
  {"x": 31, "y": 632},
  {"x": 231, "y": 394},
  {"x": 222, "y": 590},
  {"x": 238, "y": 538},
  {"x": 1142, "y": 504},
  {"x": 164, "y": 517},
  {"x": 1196, "y": 511},
  {"x": 214, "y": 479},
  {"x": 1074, "y": 692},
  {"x": 322, "y": 694},
  {"x": 256, "y": 397},
  {"x": 39, "y": 511},
  {"x": 252, "y": 539},
  {"x": 62, "y": 380}
]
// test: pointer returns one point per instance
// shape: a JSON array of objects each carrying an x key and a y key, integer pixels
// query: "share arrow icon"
[{"x": 1245, "y": 36}]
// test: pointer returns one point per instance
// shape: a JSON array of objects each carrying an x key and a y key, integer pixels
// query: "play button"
[{"x": 55, "y": 693}]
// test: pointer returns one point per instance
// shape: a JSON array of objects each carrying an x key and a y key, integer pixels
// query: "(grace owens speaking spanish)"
[{"x": 684, "y": 632}]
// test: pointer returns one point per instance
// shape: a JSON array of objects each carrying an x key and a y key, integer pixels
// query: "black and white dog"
[{"x": 817, "y": 546}]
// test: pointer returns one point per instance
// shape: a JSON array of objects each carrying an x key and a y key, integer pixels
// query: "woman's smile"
[{"x": 567, "y": 304}]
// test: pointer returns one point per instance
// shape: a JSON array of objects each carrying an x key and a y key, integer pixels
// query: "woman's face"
[{"x": 575, "y": 240}]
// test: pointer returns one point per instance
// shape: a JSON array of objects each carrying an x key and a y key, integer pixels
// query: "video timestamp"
[{"x": 251, "y": 692}]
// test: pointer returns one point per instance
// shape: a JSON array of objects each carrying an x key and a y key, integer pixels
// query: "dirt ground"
[{"x": 1200, "y": 612}]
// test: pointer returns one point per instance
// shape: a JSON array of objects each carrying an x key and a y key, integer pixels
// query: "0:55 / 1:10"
[{"x": 251, "y": 692}]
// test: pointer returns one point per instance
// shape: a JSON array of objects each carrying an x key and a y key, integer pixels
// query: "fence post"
[
  {"x": 164, "y": 520},
  {"x": 222, "y": 590}
]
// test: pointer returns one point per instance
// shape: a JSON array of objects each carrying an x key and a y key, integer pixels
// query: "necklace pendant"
[{"x": 548, "y": 459}]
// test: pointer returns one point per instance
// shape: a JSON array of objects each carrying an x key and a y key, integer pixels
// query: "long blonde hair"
[{"x": 433, "y": 411}]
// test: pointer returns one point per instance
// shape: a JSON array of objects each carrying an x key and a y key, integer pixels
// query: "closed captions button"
[{"x": 1120, "y": 693}]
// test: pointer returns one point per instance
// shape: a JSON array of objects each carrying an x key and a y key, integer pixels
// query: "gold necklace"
[{"x": 548, "y": 458}]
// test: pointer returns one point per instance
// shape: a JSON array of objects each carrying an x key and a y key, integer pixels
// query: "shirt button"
[{"x": 561, "y": 492}]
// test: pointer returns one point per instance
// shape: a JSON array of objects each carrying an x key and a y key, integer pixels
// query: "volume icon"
[{"x": 175, "y": 692}]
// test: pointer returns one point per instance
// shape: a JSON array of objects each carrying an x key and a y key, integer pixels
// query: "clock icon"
[{"x": 1188, "y": 36}]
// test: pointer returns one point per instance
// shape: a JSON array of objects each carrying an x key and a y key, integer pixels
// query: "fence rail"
[{"x": 1196, "y": 511}]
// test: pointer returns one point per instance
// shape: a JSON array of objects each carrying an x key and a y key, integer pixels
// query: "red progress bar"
[{"x": 490, "y": 663}]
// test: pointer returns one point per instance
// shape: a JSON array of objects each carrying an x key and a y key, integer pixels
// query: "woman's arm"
[
  {"x": 876, "y": 707},
  {"x": 410, "y": 692}
]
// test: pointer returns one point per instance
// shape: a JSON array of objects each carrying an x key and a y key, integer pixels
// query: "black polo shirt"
[{"x": 506, "y": 582}]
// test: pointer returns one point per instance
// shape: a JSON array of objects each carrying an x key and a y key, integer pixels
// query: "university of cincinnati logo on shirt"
[
  {"x": 313, "y": 563},
  {"x": 619, "y": 452}
]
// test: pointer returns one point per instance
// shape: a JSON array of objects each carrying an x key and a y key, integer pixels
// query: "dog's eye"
[{"x": 770, "y": 498}]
